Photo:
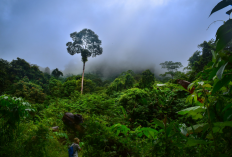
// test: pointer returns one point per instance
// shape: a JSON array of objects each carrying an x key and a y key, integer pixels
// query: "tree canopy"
[
  {"x": 171, "y": 67},
  {"x": 56, "y": 73},
  {"x": 87, "y": 43}
]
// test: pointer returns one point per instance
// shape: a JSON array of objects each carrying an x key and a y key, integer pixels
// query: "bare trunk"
[{"x": 82, "y": 78}]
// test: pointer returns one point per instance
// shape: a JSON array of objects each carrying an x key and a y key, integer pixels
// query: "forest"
[{"x": 178, "y": 114}]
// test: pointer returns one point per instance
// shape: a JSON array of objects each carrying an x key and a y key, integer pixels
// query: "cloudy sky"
[{"x": 135, "y": 34}]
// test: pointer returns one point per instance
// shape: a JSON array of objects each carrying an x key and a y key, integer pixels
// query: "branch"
[{"x": 214, "y": 22}]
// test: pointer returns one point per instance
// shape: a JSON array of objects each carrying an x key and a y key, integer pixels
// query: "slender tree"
[
  {"x": 171, "y": 67},
  {"x": 56, "y": 73},
  {"x": 47, "y": 70},
  {"x": 86, "y": 43}
]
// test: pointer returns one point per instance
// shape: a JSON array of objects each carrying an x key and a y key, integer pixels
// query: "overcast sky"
[{"x": 135, "y": 34}]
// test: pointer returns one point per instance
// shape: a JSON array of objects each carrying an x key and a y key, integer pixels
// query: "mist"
[{"x": 136, "y": 35}]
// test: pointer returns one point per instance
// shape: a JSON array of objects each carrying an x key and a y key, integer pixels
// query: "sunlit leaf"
[
  {"x": 207, "y": 85},
  {"x": 197, "y": 128},
  {"x": 214, "y": 56},
  {"x": 220, "y": 71}
]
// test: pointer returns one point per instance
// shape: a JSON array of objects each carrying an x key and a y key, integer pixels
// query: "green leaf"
[
  {"x": 158, "y": 122},
  {"x": 192, "y": 142},
  {"x": 195, "y": 112},
  {"x": 220, "y": 125},
  {"x": 160, "y": 85},
  {"x": 228, "y": 115},
  {"x": 223, "y": 82},
  {"x": 214, "y": 56},
  {"x": 227, "y": 106},
  {"x": 220, "y": 5},
  {"x": 197, "y": 128},
  {"x": 124, "y": 111},
  {"x": 223, "y": 35},
  {"x": 207, "y": 85},
  {"x": 213, "y": 73},
  {"x": 169, "y": 129},
  {"x": 220, "y": 71},
  {"x": 187, "y": 110},
  {"x": 190, "y": 86}
]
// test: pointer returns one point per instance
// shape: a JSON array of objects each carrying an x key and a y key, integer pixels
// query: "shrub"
[{"x": 30, "y": 91}]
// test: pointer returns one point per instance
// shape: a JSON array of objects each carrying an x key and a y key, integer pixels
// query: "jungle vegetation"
[{"x": 134, "y": 115}]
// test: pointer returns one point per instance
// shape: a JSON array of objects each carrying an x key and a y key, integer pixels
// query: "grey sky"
[{"x": 135, "y": 34}]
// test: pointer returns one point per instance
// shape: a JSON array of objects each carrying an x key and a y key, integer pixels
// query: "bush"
[
  {"x": 56, "y": 87},
  {"x": 30, "y": 91},
  {"x": 88, "y": 85},
  {"x": 134, "y": 101},
  {"x": 148, "y": 79}
]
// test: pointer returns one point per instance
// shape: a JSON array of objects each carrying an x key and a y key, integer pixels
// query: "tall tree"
[
  {"x": 171, "y": 67},
  {"x": 56, "y": 73},
  {"x": 47, "y": 70},
  {"x": 86, "y": 43}
]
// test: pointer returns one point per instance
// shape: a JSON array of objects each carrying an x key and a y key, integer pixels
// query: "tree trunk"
[{"x": 82, "y": 78}]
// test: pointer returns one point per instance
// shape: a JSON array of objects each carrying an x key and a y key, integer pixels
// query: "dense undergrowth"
[{"x": 133, "y": 115}]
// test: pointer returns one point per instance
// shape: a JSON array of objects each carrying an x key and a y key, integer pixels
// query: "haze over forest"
[{"x": 135, "y": 34}]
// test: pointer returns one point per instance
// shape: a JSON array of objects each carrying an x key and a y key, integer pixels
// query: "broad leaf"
[
  {"x": 223, "y": 35},
  {"x": 220, "y": 71},
  {"x": 220, "y": 125},
  {"x": 227, "y": 116},
  {"x": 227, "y": 106},
  {"x": 197, "y": 128},
  {"x": 214, "y": 56},
  {"x": 187, "y": 110},
  {"x": 170, "y": 127},
  {"x": 158, "y": 122},
  {"x": 213, "y": 73},
  {"x": 223, "y": 82},
  {"x": 195, "y": 112},
  {"x": 220, "y": 5},
  {"x": 192, "y": 142}
]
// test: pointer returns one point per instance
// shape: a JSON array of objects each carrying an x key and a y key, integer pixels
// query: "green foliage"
[
  {"x": 28, "y": 90},
  {"x": 12, "y": 111},
  {"x": 56, "y": 87},
  {"x": 89, "y": 85},
  {"x": 134, "y": 101},
  {"x": 147, "y": 79},
  {"x": 56, "y": 73},
  {"x": 69, "y": 87}
]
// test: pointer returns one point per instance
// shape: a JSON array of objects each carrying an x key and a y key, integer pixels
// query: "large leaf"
[
  {"x": 158, "y": 122},
  {"x": 195, "y": 112},
  {"x": 223, "y": 35},
  {"x": 214, "y": 56},
  {"x": 220, "y": 125},
  {"x": 169, "y": 128},
  {"x": 227, "y": 115},
  {"x": 220, "y": 71},
  {"x": 220, "y": 5},
  {"x": 213, "y": 73},
  {"x": 187, "y": 110},
  {"x": 197, "y": 128},
  {"x": 192, "y": 142},
  {"x": 223, "y": 82},
  {"x": 227, "y": 106}
]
